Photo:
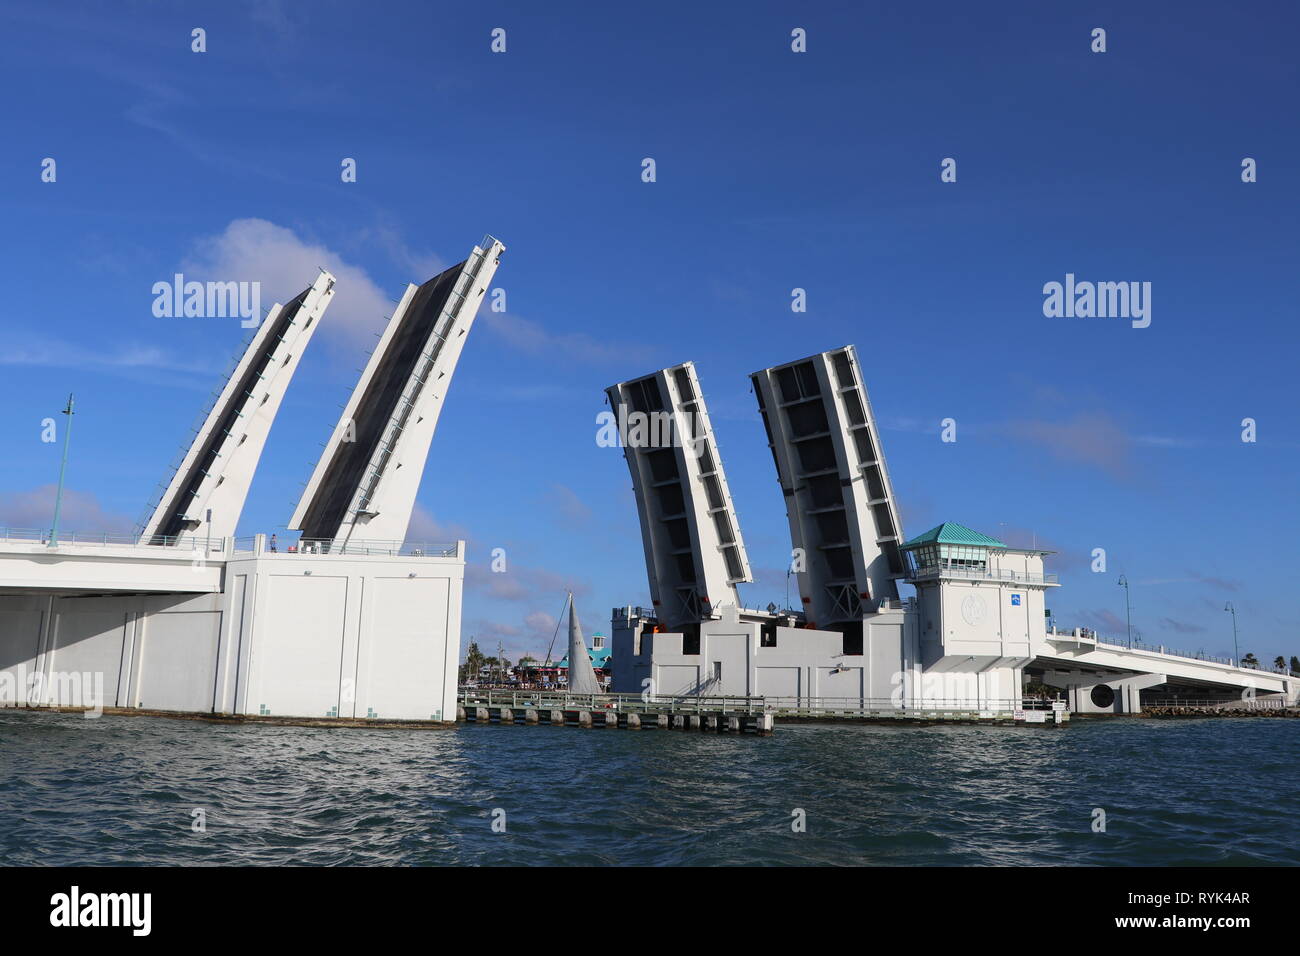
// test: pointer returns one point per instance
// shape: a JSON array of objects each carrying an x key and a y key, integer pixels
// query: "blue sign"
[{"x": 1015, "y": 600}]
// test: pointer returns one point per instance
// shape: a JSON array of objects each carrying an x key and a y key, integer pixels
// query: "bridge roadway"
[
  {"x": 119, "y": 564},
  {"x": 1093, "y": 672},
  {"x": 109, "y": 564}
]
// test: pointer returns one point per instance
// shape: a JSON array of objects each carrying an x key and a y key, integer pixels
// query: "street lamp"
[
  {"x": 1128, "y": 615},
  {"x": 63, "y": 468},
  {"x": 1235, "y": 658}
]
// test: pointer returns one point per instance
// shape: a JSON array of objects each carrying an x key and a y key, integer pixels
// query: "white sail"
[{"x": 582, "y": 679}]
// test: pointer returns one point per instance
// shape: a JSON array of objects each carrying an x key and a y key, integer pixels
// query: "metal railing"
[
  {"x": 410, "y": 549},
  {"x": 620, "y": 703},
  {"x": 114, "y": 540},
  {"x": 178, "y": 459},
  {"x": 377, "y": 467},
  {"x": 691, "y": 703},
  {"x": 1232, "y": 703},
  {"x": 1161, "y": 649},
  {"x": 1086, "y": 634},
  {"x": 982, "y": 574},
  {"x": 847, "y": 706}
]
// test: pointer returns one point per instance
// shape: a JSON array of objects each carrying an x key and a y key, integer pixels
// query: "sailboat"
[{"x": 582, "y": 678}]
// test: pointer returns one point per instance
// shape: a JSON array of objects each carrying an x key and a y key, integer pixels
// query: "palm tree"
[
  {"x": 1279, "y": 662},
  {"x": 1249, "y": 660},
  {"x": 474, "y": 660}
]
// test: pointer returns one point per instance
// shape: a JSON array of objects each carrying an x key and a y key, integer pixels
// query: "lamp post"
[
  {"x": 1128, "y": 614},
  {"x": 1236, "y": 659},
  {"x": 58, "y": 495}
]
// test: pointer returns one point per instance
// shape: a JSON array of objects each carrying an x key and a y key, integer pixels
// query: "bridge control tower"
[{"x": 981, "y": 608}]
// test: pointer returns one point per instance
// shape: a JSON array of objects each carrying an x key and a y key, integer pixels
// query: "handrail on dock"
[{"x": 789, "y": 706}]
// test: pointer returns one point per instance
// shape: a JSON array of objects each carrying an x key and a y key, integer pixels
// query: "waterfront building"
[
  {"x": 976, "y": 625},
  {"x": 350, "y": 622}
]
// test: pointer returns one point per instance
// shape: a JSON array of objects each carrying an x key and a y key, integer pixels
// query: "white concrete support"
[
  {"x": 337, "y": 636},
  {"x": 290, "y": 635},
  {"x": 1091, "y": 692}
]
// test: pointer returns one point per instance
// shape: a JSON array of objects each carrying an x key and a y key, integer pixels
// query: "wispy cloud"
[
  {"x": 80, "y": 512},
  {"x": 52, "y": 353},
  {"x": 1104, "y": 621},
  {"x": 1193, "y": 577},
  {"x": 567, "y": 502},
  {"x": 1091, "y": 438},
  {"x": 1181, "y": 627},
  {"x": 426, "y": 528},
  {"x": 533, "y": 338}
]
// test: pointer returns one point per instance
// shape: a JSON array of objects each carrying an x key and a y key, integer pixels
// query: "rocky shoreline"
[{"x": 1218, "y": 712}]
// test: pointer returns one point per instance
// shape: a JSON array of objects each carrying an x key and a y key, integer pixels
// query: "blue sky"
[{"x": 775, "y": 170}]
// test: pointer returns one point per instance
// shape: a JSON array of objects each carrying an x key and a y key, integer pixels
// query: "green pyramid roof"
[{"x": 951, "y": 533}]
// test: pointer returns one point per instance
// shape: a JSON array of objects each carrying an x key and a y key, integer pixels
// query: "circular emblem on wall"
[{"x": 973, "y": 609}]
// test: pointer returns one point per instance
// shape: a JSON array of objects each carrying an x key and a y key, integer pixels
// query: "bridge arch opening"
[{"x": 1103, "y": 695}]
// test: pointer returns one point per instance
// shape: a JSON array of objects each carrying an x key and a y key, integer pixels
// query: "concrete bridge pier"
[{"x": 1103, "y": 693}]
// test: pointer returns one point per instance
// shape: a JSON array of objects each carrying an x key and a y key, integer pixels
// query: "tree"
[
  {"x": 1295, "y": 664},
  {"x": 1279, "y": 662},
  {"x": 474, "y": 660},
  {"x": 1249, "y": 660}
]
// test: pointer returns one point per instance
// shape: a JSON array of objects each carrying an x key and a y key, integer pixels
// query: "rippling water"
[{"x": 120, "y": 790}]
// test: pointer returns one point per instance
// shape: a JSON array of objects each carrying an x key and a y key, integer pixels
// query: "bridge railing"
[
  {"x": 1251, "y": 703},
  {"x": 691, "y": 703},
  {"x": 1139, "y": 645},
  {"x": 983, "y": 574},
  {"x": 835, "y": 705},
  {"x": 410, "y": 549},
  {"x": 247, "y": 544},
  {"x": 495, "y": 697},
  {"x": 111, "y": 540}
]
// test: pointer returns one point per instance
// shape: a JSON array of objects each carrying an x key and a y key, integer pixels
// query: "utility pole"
[
  {"x": 1236, "y": 658},
  {"x": 63, "y": 468},
  {"x": 1128, "y": 614}
]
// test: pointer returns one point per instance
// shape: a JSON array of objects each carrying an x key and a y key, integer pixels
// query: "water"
[{"x": 120, "y": 790}]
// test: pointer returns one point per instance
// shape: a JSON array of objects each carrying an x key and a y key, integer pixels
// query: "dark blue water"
[{"x": 120, "y": 790}]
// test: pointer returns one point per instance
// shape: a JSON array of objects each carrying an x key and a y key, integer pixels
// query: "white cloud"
[{"x": 261, "y": 251}]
